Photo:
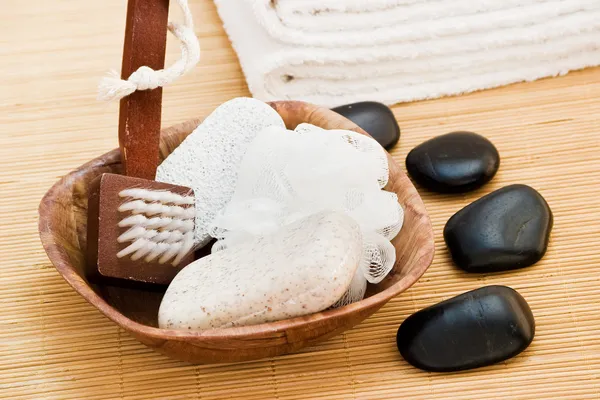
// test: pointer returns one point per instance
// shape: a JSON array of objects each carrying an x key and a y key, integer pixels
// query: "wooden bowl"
[{"x": 62, "y": 226}]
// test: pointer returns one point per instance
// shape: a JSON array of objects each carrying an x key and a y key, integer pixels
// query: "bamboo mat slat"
[{"x": 53, "y": 345}]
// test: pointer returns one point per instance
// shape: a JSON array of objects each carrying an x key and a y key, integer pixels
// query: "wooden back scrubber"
[{"x": 84, "y": 251}]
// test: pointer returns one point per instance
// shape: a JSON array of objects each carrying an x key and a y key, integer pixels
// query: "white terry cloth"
[
  {"x": 371, "y": 25},
  {"x": 464, "y": 50}
]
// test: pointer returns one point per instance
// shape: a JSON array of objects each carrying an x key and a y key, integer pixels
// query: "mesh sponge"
[
  {"x": 377, "y": 260},
  {"x": 360, "y": 142},
  {"x": 288, "y": 175},
  {"x": 379, "y": 256},
  {"x": 355, "y": 292}
]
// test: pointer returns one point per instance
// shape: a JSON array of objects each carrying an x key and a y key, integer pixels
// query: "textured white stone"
[{"x": 303, "y": 268}]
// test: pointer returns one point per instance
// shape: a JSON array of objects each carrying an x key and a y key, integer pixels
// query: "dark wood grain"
[
  {"x": 140, "y": 112},
  {"x": 62, "y": 226}
]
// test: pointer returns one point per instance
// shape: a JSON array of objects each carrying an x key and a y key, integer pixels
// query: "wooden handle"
[{"x": 140, "y": 112}]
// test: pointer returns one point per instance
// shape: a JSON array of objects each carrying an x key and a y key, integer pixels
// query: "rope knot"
[
  {"x": 144, "y": 78},
  {"x": 112, "y": 87}
]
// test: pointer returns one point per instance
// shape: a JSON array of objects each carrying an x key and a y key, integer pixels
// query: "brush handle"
[{"x": 140, "y": 112}]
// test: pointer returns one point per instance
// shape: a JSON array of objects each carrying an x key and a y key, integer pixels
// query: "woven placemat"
[{"x": 53, "y": 345}]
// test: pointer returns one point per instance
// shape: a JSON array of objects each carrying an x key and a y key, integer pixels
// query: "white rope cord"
[{"x": 112, "y": 87}]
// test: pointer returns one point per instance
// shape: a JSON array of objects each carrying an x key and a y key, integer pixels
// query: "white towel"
[{"x": 417, "y": 49}]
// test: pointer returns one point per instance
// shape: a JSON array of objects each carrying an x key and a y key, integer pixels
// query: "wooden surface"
[
  {"x": 54, "y": 345},
  {"x": 63, "y": 226}
]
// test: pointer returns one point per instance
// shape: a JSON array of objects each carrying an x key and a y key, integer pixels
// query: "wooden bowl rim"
[{"x": 61, "y": 261}]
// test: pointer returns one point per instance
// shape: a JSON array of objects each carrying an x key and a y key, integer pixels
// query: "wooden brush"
[{"x": 140, "y": 229}]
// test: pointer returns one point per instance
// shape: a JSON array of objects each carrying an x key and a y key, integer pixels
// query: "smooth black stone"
[
  {"x": 375, "y": 118},
  {"x": 456, "y": 162},
  {"x": 506, "y": 229},
  {"x": 474, "y": 329}
]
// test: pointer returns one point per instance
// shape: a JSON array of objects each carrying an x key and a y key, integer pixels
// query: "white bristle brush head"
[{"x": 161, "y": 225}]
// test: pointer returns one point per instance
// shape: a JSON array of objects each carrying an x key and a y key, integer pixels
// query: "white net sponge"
[
  {"x": 208, "y": 160},
  {"x": 361, "y": 143},
  {"x": 378, "y": 258},
  {"x": 287, "y": 175},
  {"x": 356, "y": 291}
]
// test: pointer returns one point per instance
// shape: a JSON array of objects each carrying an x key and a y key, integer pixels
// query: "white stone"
[
  {"x": 208, "y": 159},
  {"x": 303, "y": 268}
]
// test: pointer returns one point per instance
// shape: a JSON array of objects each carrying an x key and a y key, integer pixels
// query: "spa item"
[
  {"x": 474, "y": 329},
  {"x": 456, "y": 162},
  {"x": 300, "y": 269},
  {"x": 338, "y": 52},
  {"x": 506, "y": 229},
  {"x": 375, "y": 118},
  {"x": 138, "y": 229}
]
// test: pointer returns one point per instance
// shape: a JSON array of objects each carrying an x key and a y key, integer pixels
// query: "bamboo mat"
[{"x": 53, "y": 345}]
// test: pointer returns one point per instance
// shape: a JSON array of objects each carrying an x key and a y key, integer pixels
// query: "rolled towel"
[{"x": 406, "y": 70}]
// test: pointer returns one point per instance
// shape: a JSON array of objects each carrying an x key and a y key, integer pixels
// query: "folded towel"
[
  {"x": 409, "y": 55},
  {"x": 428, "y": 19},
  {"x": 291, "y": 15}
]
